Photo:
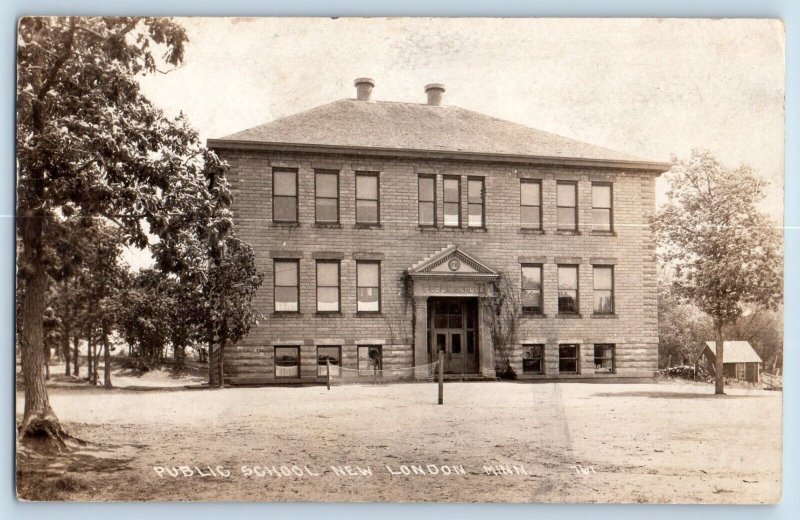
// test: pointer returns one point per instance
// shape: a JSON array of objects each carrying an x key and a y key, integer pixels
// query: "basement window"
[{"x": 568, "y": 359}]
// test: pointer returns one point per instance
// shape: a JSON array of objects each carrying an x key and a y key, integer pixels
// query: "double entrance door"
[{"x": 453, "y": 330}]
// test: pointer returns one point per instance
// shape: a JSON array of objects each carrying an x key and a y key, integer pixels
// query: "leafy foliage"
[
  {"x": 503, "y": 318},
  {"x": 723, "y": 253},
  {"x": 90, "y": 146}
]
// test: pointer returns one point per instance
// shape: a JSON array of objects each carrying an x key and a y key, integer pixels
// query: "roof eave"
[{"x": 656, "y": 168}]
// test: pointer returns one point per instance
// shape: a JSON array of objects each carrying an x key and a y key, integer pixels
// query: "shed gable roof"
[
  {"x": 735, "y": 352},
  {"x": 389, "y": 125}
]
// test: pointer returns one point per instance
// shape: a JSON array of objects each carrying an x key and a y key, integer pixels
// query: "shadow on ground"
[
  {"x": 656, "y": 394},
  {"x": 50, "y": 477}
]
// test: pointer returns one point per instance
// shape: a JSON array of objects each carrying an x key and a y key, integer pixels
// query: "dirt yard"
[{"x": 490, "y": 442}]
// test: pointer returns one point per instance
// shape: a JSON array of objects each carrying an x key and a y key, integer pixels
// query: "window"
[
  {"x": 367, "y": 197},
  {"x": 530, "y": 204},
  {"x": 567, "y": 206},
  {"x": 532, "y": 289},
  {"x": 326, "y": 196},
  {"x": 604, "y": 358},
  {"x": 603, "y": 289},
  {"x": 427, "y": 200},
  {"x": 567, "y": 289},
  {"x": 368, "y": 286},
  {"x": 327, "y": 286},
  {"x": 452, "y": 201},
  {"x": 568, "y": 359},
  {"x": 602, "y": 204},
  {"x": 286, "y": 287},
  {"x": 332, "y": 355},
  {"x": 533, "y": 359},
  {"x": 284, "y": 195},
  {"x": 287, "y": 362},
  {"x": 475, "y": 202},
  {"x": 370, "y": 358}
]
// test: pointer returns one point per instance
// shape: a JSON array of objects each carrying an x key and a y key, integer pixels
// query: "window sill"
[
  {"x": 285, "y": 224},
  {"x": 534, "y": 315},
  {"x": 567, "y": 232},
  {"x": 328, "y": 314},
  {"x": 570, "y": 316},
  {"x": 604, "y": 317},
  {"x": 286, "y": 314},
  {"x": 603, "y": 233},
  {"x": 367, "y": 226},
  {"x": 368, "y": 314},
  {"x": 327, "y": 225},
  {"x": 531, "y": 231}
]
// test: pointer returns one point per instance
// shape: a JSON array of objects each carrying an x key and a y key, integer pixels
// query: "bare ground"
[{"x": 570, "y": 442}]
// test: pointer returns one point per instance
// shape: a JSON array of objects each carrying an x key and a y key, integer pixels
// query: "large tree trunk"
[
  {"x": 223, "y": 340},
  {"x": 89, "y": 348},
  {"x": 106, "y": 360},
  {"x": 76, "y": 343},
  {"x": 719, "y": 377},
  {"x": 96, "y": 359},
  {"x": 46, "y": 363},
  {"x": 65, "y": 348},
  {"x": 39, "y": 423}
]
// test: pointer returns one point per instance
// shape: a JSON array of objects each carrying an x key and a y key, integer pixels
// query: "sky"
[{"x": 653, "y": 88}]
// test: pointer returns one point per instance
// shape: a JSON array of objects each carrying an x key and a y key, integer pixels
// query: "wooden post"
[
  {"x": 328, "y": 366},
  {"x": 440, "y": 368}
]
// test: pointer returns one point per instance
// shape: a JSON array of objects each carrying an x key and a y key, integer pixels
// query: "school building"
[{"x": 390, "y": 231}]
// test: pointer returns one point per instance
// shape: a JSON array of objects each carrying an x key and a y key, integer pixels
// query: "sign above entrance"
[
  {"x": 452, "y": 272},
  {"x": 432, "y": 287}
]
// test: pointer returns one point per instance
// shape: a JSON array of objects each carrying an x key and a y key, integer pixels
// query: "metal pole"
[
  {"x": 440, "y": 367},
  {"x": 328, "y": 366}
]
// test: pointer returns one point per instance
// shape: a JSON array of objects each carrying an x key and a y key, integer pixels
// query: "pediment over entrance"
[{"x": 451, "y": 262}]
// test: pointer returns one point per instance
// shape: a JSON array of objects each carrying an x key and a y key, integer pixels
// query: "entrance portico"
[{"x": 449, "y": 291}]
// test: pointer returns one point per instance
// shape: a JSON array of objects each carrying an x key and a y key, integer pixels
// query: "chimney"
[
  {"x": 434, "y": 91},
  {"x": 364, "y": 88}
]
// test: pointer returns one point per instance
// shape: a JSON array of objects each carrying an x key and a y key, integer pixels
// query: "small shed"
[{"x": 739, "y": 362}]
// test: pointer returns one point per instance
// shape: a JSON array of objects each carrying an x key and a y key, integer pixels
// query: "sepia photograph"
[{"x": 470, "y": 260}]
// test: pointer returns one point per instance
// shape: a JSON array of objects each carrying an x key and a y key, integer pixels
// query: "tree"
[
  {"x": 682, "y": 329},
  {"x": 723, "y": 252},
  {"x": 232, "y": 283},
  {"x": 89, "y": 144}
]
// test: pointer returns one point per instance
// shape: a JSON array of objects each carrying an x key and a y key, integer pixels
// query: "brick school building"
[{"x": 387, "y": 232}]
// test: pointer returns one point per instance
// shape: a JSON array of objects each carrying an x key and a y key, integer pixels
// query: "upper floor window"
[
  {"x": 452, "y": 201},
  {"x": 328, "y": 286},
  {"x": 284, "y": 195},
  {"x": 475, "y": 202},
  {"x": 567, "y": 206},
  {"x": 367, "y": 198},
  {"x": 603, "y": 289},
  {"x": 568, "y": 289},
  {"x": 427, "y": 200},
  {"x": 326, "y": 196},
  {"x": 286, "y": 286},
  {"x": 602, "y": 205},
  {"x": 530, "y": 204},
  {"x": 368, "y": 286},
  {"x": 531, "y": 289}
]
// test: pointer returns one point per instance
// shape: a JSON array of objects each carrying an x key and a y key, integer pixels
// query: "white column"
[
  {"x": 485, "y": 347},
  {"x": 421, "y": 331}
]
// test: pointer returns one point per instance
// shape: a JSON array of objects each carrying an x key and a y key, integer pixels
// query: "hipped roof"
[{"x": 392, "y": 126}]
